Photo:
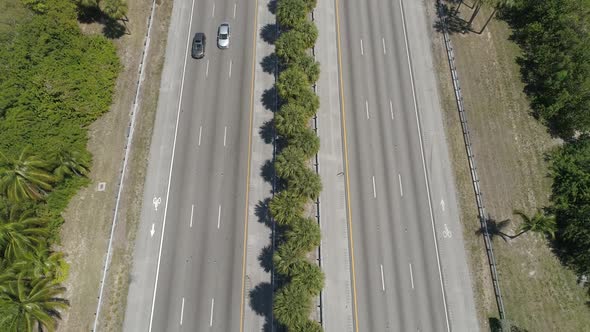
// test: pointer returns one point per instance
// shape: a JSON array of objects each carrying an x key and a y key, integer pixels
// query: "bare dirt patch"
[
  {"x": 89, "y": 215},
  {"x": 509, "y": 146}
]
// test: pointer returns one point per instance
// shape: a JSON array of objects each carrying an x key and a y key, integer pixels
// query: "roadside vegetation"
[
  {"x": 47, "y": 101},
  {"x": 535, "y": 174},
  {"x": 301, "y": 279}
]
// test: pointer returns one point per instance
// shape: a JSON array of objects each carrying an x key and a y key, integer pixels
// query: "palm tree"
[
  {"x": 538, "y": 223},
  {"x": 307, "y": 183},
  {"x": 286, "y": 206},
  {"x": 21, "y": 234},
  {"x": 27, "y": 177},
  {"x": 290, "y": 162},
  {"x": 42, "y": 262},
  {"x": 29, "y": 305},
  {"x": 69, "y": 163},
  {"x": 291, "y": 119}
]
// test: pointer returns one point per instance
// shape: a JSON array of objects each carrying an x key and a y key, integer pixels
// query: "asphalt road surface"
[
  {"x": 398, "y": 279},
  {"x": 188, "y": 263}
]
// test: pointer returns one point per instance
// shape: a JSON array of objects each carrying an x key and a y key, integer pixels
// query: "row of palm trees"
[
  {"x": 30, "y": 271},
  {"x": 301, "y": 280}
]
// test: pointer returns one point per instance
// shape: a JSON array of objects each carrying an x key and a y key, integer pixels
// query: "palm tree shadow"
[
  {"x": 495, "y": 228},
  {"x": 261, "y": 303}
]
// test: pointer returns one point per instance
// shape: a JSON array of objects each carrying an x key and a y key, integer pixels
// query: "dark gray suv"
[{"x": 198, "y": 49}]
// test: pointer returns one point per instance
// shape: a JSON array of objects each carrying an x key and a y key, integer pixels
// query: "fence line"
[{"x": 471, "y": 158}]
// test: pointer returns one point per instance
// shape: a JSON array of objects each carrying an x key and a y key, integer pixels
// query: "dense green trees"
[
  {"x": 47, "y": 101},
  {"x": 302, "y": 279},
  {"x": 554, "y": 36},
  {"x": 570, "y": 169}
]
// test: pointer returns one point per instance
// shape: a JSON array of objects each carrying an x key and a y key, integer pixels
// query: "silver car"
[{"x": 223, "y": 34}]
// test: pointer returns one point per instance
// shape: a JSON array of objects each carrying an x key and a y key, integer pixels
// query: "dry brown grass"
[
  {"x": 89, "y": 215},
  {"x": 509, "y": 147}
]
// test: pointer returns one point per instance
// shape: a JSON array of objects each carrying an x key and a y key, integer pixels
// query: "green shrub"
[
  {"x": 311, "y": 277},
  {"x": 309, "y": 33},
  {"x": 304, "y": 234},
  {"x": 290, "y": 162},
  {"x": 292, "y": 306},
  {"x": 290, "y": 46},
  {"x": 309, "y": 100},
  {"x": 292, "y": 83},
  {"x": 307, "y": 183},
  {"x": 291, "y": 13},
  {"x": 286, "y": 206},
  {"x": 291, "y": 119},
  {"x": 307, "y": 141},
  {"x": 309, "y": 66}
]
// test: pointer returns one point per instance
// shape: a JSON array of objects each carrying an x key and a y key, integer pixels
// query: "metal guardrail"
[
  {"x": 471, "y": 158},
  {"x": 317, "y": 202}
]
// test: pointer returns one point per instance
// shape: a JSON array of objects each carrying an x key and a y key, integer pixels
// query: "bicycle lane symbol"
[{"x": 447, "y": 234}]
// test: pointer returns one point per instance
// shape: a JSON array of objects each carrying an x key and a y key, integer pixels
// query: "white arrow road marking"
[
  {"x": 442, "y": 204},
  {"x": 152, "y": 231}
]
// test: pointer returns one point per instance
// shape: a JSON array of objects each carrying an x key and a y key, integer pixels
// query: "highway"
[
  {"x": 188, "y": 264},
  {"x": 398, "y": 283}
]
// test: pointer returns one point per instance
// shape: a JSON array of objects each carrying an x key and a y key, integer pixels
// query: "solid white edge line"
[
  {"x": 211, "y": 316},
  {"x": 382, "y": 279},
  {"x": 442, "y": 289},
  {"x": 181, "y": 311},
  {"x": 200, "y": 132},
  {"x": 171, "y": 166},
  {"x": 192, "y": 211},
  {"x": 219, "y": 217},
  {"x": 367, "y": 108},
  {"x": 224, "y": 135},
  {"x": 374, "y": 189},
  {"x": 411, "y": 275},
  {"x": 362, "y": 49},
  {"x": 401, "y": 188}
]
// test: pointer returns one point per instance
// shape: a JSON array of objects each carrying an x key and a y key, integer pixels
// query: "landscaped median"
[{"x": 301, "y": 279}]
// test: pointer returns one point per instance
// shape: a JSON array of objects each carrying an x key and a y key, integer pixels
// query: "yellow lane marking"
[
  {"x": 355, "y": 312},
  {"x": 249, "y": 160}
]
